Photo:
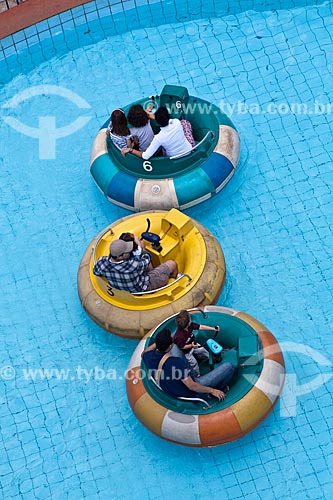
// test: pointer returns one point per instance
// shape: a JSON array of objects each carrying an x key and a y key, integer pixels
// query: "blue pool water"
[{"x": 66, "y": 437}]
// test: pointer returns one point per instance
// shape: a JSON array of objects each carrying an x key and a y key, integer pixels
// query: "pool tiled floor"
[{"x": 70, "y": 434}]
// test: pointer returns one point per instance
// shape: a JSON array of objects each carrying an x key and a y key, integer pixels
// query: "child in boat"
[
  {"x": 138, "y": 247},
  {"x": 185, "y": 340},
  {"x": 118, "y": 130}
]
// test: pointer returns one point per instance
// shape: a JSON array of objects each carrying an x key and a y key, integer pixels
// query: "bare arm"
[
  {"x": 150, "y": 348},
  {"x": 131, "y": 150},
  {"x": 140, "y": 243},
  {"x": 196, "y": 387},
  {"x": 148, "y": 110},
  {"x": 206, "y": 327}
]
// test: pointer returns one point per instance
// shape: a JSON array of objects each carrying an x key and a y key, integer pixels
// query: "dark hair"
[
  {"x": 162, "y": 116},
  {"x": 137, "y": 116},
  {"x": 129, "y": 237},
  {"x": 119, "y": 122},
  {"x": 163, "y": 339},
  {"x": 182, "y": 319}
]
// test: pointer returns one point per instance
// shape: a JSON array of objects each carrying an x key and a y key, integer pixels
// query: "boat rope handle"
[
  {"x": 165, "y": 287},
  {"x": 210, "y": 132},
  {"x": 97, "y": 243},
  {"x": 198, "y": 309}
]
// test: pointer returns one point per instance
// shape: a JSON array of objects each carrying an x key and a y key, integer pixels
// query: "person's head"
[
  {"x": 162, "y": 116},
  {"x": 137, "y": 116},
  {"x": 183, "y": 319},
  {"x": 129, "y": 237},
  {"x": 163, "y": 340},
  {"x": 119, "y": 122},
  {"x": 120, "y": 249}
]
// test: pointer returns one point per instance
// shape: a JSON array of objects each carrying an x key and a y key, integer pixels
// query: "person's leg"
[
  {"x": 194, "y": 367},
  {"x": 176, "y": 352},
  {"x": 218, "y": 378},
  {"x": 159, "y": 276},
  {"x": 172, "y": 265},
  {"x": 187, "y": 128},
  {"x": 201, "y": 353}
]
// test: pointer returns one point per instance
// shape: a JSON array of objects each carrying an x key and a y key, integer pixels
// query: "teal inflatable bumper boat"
[{"x": 170, "y": 182}]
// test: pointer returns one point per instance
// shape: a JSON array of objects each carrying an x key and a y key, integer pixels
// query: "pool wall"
[{"x": 54, "y": 29}]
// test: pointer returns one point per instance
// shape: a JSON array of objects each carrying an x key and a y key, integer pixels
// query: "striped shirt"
[{"x": 119, "y": 140}]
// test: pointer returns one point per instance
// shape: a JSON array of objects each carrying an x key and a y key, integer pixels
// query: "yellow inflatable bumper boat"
[{"x": 199, "y": 258}]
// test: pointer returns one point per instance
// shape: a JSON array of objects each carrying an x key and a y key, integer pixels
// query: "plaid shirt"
[{"x": 129, "y": 275}]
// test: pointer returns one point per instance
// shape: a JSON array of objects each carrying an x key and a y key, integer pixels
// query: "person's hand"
[
  {"x": 125, "y": 151},
  {"x": 220, "y": 395},
  {"x": 195, "y": 345},
  {"x": 140, "y": 243},
  {"x": 148, "y": 110},
  {"x": 217, "y": 328}
]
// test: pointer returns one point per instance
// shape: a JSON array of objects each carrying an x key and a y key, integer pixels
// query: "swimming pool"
[{"x": 70, "y": 433}]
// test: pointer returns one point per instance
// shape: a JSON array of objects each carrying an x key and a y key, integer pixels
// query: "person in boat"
[
  {"x": 185, "y": 340},
  {"x": 125, "y": 272},
  {"x": 174, "y": 376},
  {"x": 171, "y": 137},
  {"x": 140, "y": 125},
  {"x": 118, "y": 130},
  {"x": 138, "y": 246}
]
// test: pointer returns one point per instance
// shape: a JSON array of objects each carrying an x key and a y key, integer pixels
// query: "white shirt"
[
  {"x": 172, "y": 139},
  {"x": 137, "y": 253}
]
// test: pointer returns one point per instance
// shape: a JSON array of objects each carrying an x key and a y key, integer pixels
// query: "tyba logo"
[
  {"x": 292, "y": 390},
  {"x": 47, "y": 133}
]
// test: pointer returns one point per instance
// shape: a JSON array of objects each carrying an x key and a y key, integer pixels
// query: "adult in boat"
[
  {"x": 140, "y": 126},
  {"x": 171, "y": 137},
  {"x": 173, "y": 375},
  {"x": 125, "y": 272},
  {"x": 118, "y": 130}
]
